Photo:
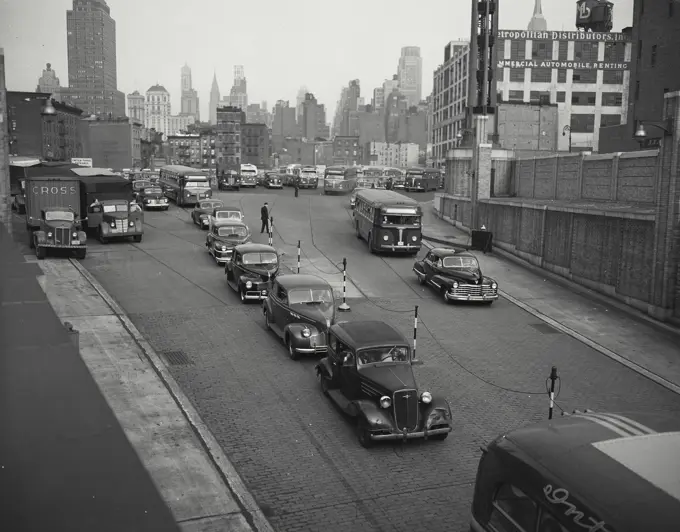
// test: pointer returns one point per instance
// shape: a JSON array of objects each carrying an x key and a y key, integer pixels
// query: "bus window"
[
  {"x": 513, "y": 511},
  {"x": 397, "y": 219}
]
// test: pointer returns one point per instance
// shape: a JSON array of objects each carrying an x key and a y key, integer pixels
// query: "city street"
[{"x": 293, "y": 449}]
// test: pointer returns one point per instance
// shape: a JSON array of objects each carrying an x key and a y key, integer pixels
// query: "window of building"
[
  {"x": 610, "y": 120},
  {"x": 581, "y": 123},
  {"x": 561, "y": 75},
  {"x": 612, "y": 77},
  {"x": 561, "y": 96},
  {"x": 653, "y": 55},
  {"x": 612, "y": 99},
  {"x": 585, "y": 51},
  {"x": 516, "y": 96},
  {"x": 583, "y": 98},
  {"x": 541, "y": 50},
  {"x": 517, "y": 74},
  {"x": 541, "y": 75},
  {"x": 518, "y": 50},
  {"x": 615, "y": 52},
  {"x": 563, "y": 51},
  {"x": 585, "y": 76}
]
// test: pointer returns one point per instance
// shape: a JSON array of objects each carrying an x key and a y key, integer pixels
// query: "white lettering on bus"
[
  {"x": 54, "y": 190},
  {"x": 560, "y": 496}
]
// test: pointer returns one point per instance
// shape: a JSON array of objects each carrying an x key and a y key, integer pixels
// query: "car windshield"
[
  {"x": 138, "y": 185},
  {"x": 232, "y": 231},
  {"x": 116, "y": 207},
  {"x": 266, "y": 259},
  {"x": 323, "y": 297},
  {"x": 461, "y": 263},
  {"x": 209, "y": 205},
  {"x": 394, "y": 219},
  {"x": 228, "y": 215},
  {"x": 196, "y": 184},
  {"x": 61, "y": 216},
  {"x": 308, "y": 173},
  {"x": 249, "y": 173},
  {"x": 155, "y": 190},
  {"x": 376, "y": 355}
]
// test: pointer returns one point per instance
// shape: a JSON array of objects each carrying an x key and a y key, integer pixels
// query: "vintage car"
[
  {"x": 59, "y": 229},
  {"x": 200, "y": 215},
  {"x": 300, "y": 309},
  {"x": 229, "y": 180},
  {"x": 260, "y": 178},
  {"x": 368, "y": 373},
  {"x": 225, "y": 212},
  {"x": 273, "y": 181},
  {"x": 223, "y": 236},
  {"x": 456, "y": 275},
  {"x": 140, "y": 184},
  {"x": 118, "y": 219},
  {"x": 151, "y": 197},
  {"x": 251, "y": 270}
]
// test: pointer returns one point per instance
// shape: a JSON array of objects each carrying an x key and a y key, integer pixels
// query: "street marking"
[
  {"x": 210, "y": 443},
  {"x": 641, "y": 370}
]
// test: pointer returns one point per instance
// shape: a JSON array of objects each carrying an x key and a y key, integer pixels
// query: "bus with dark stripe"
[
  {"x": 388, "y": 221},
  {"x": 184, "y": 185},
  {"x": 340, "y": 179},
  {"x": 395, "y": 176},
  {"x": 422, "y": 179}
]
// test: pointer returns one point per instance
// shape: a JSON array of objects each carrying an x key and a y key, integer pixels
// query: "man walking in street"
[
  {"x": 264, "y": 215},
  {"x": 297, "y": 186}
]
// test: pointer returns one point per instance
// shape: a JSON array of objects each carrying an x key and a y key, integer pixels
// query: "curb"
[
  {"x": 587, "y": 341},
  {"x": 229, "y": 474},
  {"x": 445, "y": 242}
]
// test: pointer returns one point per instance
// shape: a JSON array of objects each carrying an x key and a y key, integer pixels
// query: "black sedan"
[
  {"x": 273, "y": 181},
  {"x": 200, "y": 215},
  {"x": 251, "y": 270},
  {"x": 152, "y": 197},
  {"x": 456, "y": 275}
]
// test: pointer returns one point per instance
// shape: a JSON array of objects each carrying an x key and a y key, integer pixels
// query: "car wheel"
[
  {"x": 31, "y": 240},
  {"x": 40, "y": 252},
  {"x": 363, "y": 434},
  {"x": 102, "y": 238},
  {"x": 80, "y": 254},
  {"x": 266, "y": 320},
  {"x": 446, "y": 299},
  {"x": 325, "y": 383},
  {"x": 137, "y": 238},
  {"x": 294, "y": 355},
  {"x": 370, "y": 243}
]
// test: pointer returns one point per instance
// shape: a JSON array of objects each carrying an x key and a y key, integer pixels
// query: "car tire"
[
  {"x": 80, "y": 254},
  {"x": 369, "y": 240},
  {"x": 421, "y": 278},
  {"x": 325, "y": 383},
  {"x": 363, "y": 434},
  {"x": 242, "y": 294},
  {"x": 292, "y": 354},
  {"x": 137, "y": 238},
  {"x": 266, "y": 320},
  {"x": 31, "y": 240},
  {"x": 102, "y": 238}
]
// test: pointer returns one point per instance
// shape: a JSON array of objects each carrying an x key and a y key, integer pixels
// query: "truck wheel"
[
  {"x": 80, "y": 254},
  {"x": 102, "y": 238},
  {"x": 31, "y": 239},
  {"x": 137, "y": 238},
  {"x": 363, "y": 434},
  {"x": 40, "y": 252}
]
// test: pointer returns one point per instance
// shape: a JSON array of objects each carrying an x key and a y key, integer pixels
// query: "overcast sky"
[{"x": 282, "y": 45}]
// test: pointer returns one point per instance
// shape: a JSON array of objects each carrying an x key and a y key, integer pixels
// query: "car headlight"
[
  {"x": 385, "y": 402},
  {"x": 132, "y": 224},
  {"x": 113, "y": 225},
  {"x": 249, "y": 284},
  {"x": 414, "y": 238},
  {"x": 224, "y": 248},
  {"x": 49, "y": 235},
  {"x": 386, "y": 238},
  {"x": 426, "y": 397},
  {"x": 75, "y": 235},
  {"x": 306, "y": 333},
  {"x": 494, "y": 286},
  {"x": 188, "y": 194},
  {"x": 455, "y": 284}
]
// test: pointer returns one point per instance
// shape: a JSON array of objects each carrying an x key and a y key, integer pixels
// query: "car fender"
[
  {"x": 324, "y": 367},
  {"x": 243, "y": 279},
  {"x": 444, "y": 282},
  {"x": 294, "y": 331},
  {"x": 39, "y": 236},
  {"x": 418, "y": 265},
  {"x": 437, "y": 412},
  {"x": 267, "y": 307},
  {"x": 375, "y": 416}
]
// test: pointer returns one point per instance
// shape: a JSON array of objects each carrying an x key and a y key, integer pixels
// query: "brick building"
[
  {"x": 56, "y": 136},
  {"x": 185, "y": 149},
  {"x": 113, "y": 142},
  {"x": 228, "y": 137},
  {"x": 255, "y": 144},
  {"x": 347, "y": 150},
  {"x": 655, "y": 70}
]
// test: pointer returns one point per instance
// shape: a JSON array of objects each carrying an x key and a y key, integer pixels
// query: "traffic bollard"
[
  {"x": 414, "y": 358},
  {"x": 271, "y": 231},
  {"x": 553, "y": 379},
  {"x": 298, "y": 256},
  {"x": 344, "y": 307}
]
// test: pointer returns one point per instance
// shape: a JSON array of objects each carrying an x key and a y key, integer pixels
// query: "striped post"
[
  {"x": 298, "y": 256},
  {"x": 344, "y": 307},
  {"x": 553, "y": 379},
  {"x": 415, "y": 332},
  {"x": 271, "y": 231}
]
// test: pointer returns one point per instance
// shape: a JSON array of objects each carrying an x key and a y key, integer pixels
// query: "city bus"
[
  {"x": 422, "y": 179},
  {"x": 340, "y": 179},
  {"x": 248, "y": 175},
  {"x": 374, "y": 177},
  {"x": 388, "y": 221},
  {"x": 291, "y": 174},
  {"x": 184, "y": 185},
  {"x": 395, "y": 176},
  {"x": 308, "y": 177}
]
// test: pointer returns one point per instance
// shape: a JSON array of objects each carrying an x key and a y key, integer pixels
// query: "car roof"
[
  {"x": 628, "y": 456},
  {"x": 253, "y": 247},
  {"x": 228, "y": 207},
  {"x": 450, "y": 252},
  {"x": 364, "y": 334},
  {"x": 300, "y": 280},
  {"x": 221, "y": 222}
]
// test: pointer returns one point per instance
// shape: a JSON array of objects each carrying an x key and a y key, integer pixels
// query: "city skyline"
[{"x": 30, "y": 43}]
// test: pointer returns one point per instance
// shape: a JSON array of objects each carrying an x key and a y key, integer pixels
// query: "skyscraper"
[
  {"x": 299, "y": 101},
  {"x": 136, "y": 107},
  {"x": 189, "y": 100},
  {"x": 238, "y": 96},
  {"x": 538, "y": 22},
  {"x": 49, "y": 82},
  {"x": 91, "y": 44},
  {"x": 214, "y": 100},
  {"x": 410, "y": 74}
]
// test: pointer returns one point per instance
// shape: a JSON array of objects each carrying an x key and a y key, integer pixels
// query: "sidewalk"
[
  {"x": 202, "y": 492},
  {"x": 648, "y": 347}
]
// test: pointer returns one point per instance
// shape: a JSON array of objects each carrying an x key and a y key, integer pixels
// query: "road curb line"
[
  {"x": 207, "y": 439},
  {"x": 641, "y": 370}
]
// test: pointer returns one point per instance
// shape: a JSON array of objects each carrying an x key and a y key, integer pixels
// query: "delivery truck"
[{"x": 23, "y": 167}]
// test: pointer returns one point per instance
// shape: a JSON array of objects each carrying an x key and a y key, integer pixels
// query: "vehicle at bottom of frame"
[{"x": 368, "y": 373}]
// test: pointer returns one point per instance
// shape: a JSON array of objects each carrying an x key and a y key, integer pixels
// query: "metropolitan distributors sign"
[{"x": 590, "y": 36}]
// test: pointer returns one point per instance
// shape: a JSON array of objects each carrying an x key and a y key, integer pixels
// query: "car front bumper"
[
  {"x": 63, "y": 246},
  {"x": 405, "y": 247},
  {"x": 314, "y": 345},
  {"x": 255, "y": 294},
  {"x": 274, "y": 186},
  {"x": 468, "y": 297},
  {"x": 422, "y": 434}
]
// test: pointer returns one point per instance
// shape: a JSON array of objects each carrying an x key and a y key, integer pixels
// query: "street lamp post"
[
  {"x": 666, "y": 126},
  {"x": 565, "y": 130},
  {"x": 48, "y": 112}
]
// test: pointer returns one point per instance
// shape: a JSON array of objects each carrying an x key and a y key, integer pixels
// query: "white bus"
[
  {"x": 248, "y": 175},
  {"x": 184, "y": 185}
]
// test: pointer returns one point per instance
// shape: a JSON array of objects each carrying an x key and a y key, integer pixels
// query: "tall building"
[
  {"x": 655, "y": 69},
  {"x": 238, "y": 96},
  {"x": 378, "y": 101},
  {"x": 284, "y": 124},
  {"x": 299, "y": 103},
  {"x": 189, "y": 100},
  {"x": 410, "y": 74},
  {"x": 538, "y": 22},
  {"x": 313, "y": 118},
  {"x": 157, "y": 109},
  {"x": 228, "y": 137},
  {"x": 91, "y": 45},
  {"x": 255, "y": 114},
  {"x": 255, "y": 144},
  {"x": 214, "y": 100},
  {"x": 49, "y": 82},
  {"x": 137, "y": 107}
]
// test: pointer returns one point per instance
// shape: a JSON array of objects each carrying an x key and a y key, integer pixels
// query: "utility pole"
[{"x": 5, "y": 188}]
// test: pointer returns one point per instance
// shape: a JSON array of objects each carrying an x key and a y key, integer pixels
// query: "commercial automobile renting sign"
[{"x": 580, "y": 65}]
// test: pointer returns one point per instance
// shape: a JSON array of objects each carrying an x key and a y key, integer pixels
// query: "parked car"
[
  {"x": 200, "y": 215},
  {"x": 456, "y": 275},
  {"x": 251, "y": 270},
  {"x": 229, "y": 180},
  {"x": 223, "y": 237},
  {"x": 300, "y": 309},
  {"x": 151, "y": 197},
  {"x": 273, "y": 181},
  {"x": 368, "y": 373}
]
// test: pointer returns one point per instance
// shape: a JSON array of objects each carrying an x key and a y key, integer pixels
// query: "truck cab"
[
  {"x": 116, "y": 219},
  {"x": 59, "y": 228}
]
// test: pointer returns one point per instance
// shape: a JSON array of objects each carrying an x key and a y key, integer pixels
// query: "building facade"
[
  {"x": 49, "y": 82},
  {"x": 228, "y": 137},
  {"x": 113, "y": 143},
  {"x": 185, "y": 149},
  {"x": 347, "y": 150},
  {"x": 655, "y": 70},
  {"x": 214, "y": 100},
  {"x": 284, "y": 122},
  {"x": 410, "y": 74},
  {"x": 179, "y": 124},
  {"x": 189, "y": 105},
  {"x": 313, "y": 118},
  {"x": 255, "y": 145},
  {"x": 586, "y": 74},
  {"x": 397, "y": 155},
  {"x": 238, "y": 96},
  {"x": 136, "y": 107},
  {"x": 157, "y": 109},
  {"x": 92, "y": 70}
]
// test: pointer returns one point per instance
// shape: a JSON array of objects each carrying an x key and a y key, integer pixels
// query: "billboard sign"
[
  {"x": 579, "y": 65},
  {"x": 82, "y": 161},
  {"x": 592, "y": 36}
]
